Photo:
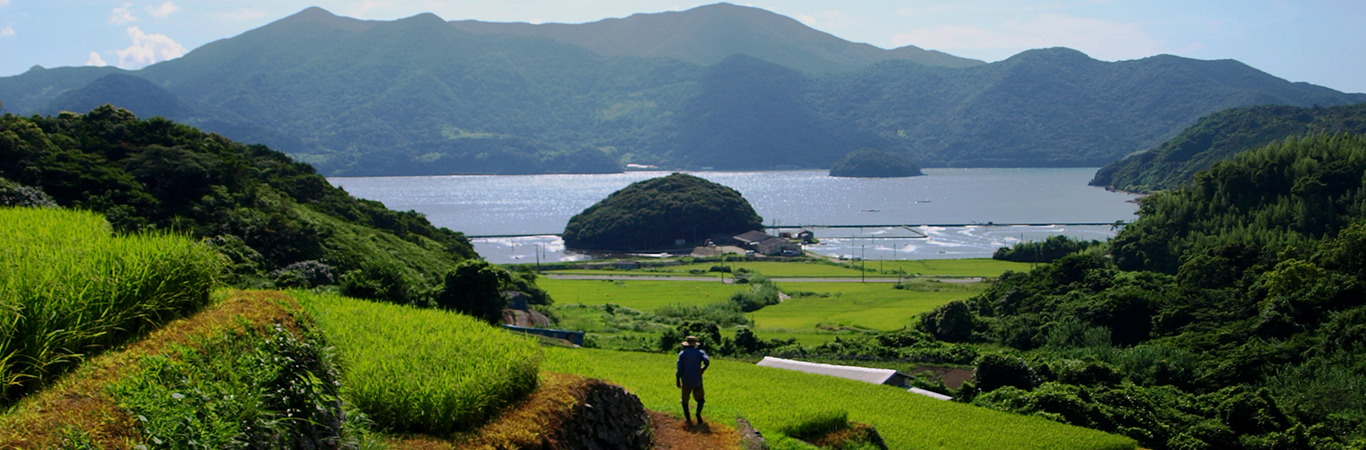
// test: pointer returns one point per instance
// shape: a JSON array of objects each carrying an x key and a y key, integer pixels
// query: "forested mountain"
[
  {"x": 424, "y": 96},
  {"x": 709, "y": 34},
  {"x": 1231, "y": 314},
  {"x": 1221, "y": 135}
]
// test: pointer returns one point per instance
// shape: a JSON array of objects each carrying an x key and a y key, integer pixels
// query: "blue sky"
[{"x": 1318, "y": 41}]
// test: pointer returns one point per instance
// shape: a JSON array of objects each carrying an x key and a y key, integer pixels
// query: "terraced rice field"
[{"x": 773, "y": 399}]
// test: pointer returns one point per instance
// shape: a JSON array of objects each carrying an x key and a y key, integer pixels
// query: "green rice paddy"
[{"x": 774, "y": 399}]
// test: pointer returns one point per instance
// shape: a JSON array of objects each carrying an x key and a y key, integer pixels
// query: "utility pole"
[{"x": 863, "y": 264}]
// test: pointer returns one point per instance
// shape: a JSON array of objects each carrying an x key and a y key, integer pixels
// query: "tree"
[
  {"x": 475, "y": 288},
  {"x": 951, "y": 322}
]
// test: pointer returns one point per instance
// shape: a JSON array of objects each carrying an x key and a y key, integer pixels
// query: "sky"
[{"x": 1317, "y": 41}]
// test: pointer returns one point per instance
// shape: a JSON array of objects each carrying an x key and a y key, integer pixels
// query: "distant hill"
[
  {"x": 1220, "y": 136},
  {"x": 873, "y": 163},
  {"x": 709, "y": 34},
  {"x": 422, "y": 96}
]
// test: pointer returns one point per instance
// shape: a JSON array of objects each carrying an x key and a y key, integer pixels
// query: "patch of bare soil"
[{"x": 672, "y": 433}]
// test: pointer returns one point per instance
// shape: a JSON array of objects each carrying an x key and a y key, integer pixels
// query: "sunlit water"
[{"x": 487, "y": 205}]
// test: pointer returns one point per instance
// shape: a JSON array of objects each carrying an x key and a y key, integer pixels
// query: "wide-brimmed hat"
[{"x": 690, "y": 341}]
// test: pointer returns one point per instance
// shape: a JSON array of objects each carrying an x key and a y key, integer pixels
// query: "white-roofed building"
[{"x": 865, "y": 374}]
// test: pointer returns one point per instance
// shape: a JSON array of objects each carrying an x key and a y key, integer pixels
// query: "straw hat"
[{"x": 690, "y": 341}]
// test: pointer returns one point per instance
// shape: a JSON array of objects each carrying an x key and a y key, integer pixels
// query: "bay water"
[{"x": 519, "y": 216}]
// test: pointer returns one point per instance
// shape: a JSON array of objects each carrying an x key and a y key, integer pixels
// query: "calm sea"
[{"x": 485, "y": 205}]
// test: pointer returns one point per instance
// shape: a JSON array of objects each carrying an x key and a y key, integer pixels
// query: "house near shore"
[
  {"x": 865, "y": 374},
  {"x": 751, "y": 239},
  {"x": 779, "y": 246},
  {"x": 765, "y": 244}
]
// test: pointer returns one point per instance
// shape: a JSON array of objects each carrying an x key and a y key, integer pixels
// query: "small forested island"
[
  {"x": 658, "y": 213},
  {"x": 873, "y": 163}
]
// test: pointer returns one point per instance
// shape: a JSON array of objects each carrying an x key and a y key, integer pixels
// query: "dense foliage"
[
  {"x": 69, "y": 287},
  {"x": 1218, "y": 137},
  {"x": 655, "y": 213},
  {"x": 873, "y": 163},
  {"x": 244, "y": 387},
  {"x": 274, "y": 218},
  {"x": 1047, "y": 250},
  {"x": 729, "y": 88},
  {"x": 1229, "y": 315}
]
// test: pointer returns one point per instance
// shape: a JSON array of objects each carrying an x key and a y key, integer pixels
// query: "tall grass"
[
  {"x": 423, "y": 370},
  {"x": 69, "y": 288}
]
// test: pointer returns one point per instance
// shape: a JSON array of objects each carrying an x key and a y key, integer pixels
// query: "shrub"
[
  {"x": 952, "y": 322},
  {"x": 474, "y": 288},
  {"x": 384, "y": 280},
  {"x": 996, "y": 370}
]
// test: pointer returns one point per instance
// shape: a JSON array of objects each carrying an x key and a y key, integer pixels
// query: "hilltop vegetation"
[
  {"x": 721, "y": 86},
  {"x": 1229, "y": 315},
  {"x": 1218, "y": 137},
  {"x": 872, "y": 163},
  {"x": 276, "y": 220},
  {"x": 653, "y": 214}
]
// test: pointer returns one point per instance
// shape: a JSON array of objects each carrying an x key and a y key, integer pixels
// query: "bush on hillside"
[{"x": 474, "y": 289}]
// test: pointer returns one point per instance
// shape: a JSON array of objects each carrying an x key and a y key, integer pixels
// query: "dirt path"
[{"x": 671, "y": 433}]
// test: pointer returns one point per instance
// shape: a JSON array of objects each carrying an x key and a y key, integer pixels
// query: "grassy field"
[
  {"x": 773, "y": 399},
  {"x": 840, "y": 307},
  {"x": 68, "y": 287},
  {"x": 866, "y": 306},
  {"x": 644, "y": 295},
  {"x": 423, "y": 370},
  {"x": 983, "y": 267}
]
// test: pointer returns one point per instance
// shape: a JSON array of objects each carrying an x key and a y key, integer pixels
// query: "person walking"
[{"x": 692, "y": 362}]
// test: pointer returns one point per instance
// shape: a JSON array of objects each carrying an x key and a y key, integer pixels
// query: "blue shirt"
[{"x": 691, "y": 361}]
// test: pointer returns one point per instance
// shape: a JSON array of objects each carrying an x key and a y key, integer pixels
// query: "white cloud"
[
  {"x": 240, "y": 15},
  {"x": 807, "y": 19},
  {"x": 95, "y": 60},
  {"x": 1102, "y": 39},
  {"x": 147, "y": 49},
  {"x": 163, "y": 10},
  {"x": 7, "y": 32},
  {"x": 122, "y": 15},
  {"x": 4, "y": 3}
]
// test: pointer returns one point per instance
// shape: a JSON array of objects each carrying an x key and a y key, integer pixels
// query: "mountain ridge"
[{"x": 422, "y": 96}]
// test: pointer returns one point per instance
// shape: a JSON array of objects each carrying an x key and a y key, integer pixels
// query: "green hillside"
[
  {"x": 1218, "y": 137},
  {"x": 727, "y": 87},
  {"x": 654, "y": 214},
  {"x": 276, "y": 220},
  {"x": 872, "y": 163},
  {"x": 1229, "y": 315}
]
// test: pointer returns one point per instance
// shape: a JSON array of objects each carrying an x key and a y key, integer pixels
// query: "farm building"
[
  {"x": 779, "y": 246},
  {"x": 869, "y": 375},
  {"x": 865, "y": 374},
  {"x": 751, "y": 239}
]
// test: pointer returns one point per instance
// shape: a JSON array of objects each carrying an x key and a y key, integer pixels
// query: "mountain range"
[{"x": 719, "y": 86}]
